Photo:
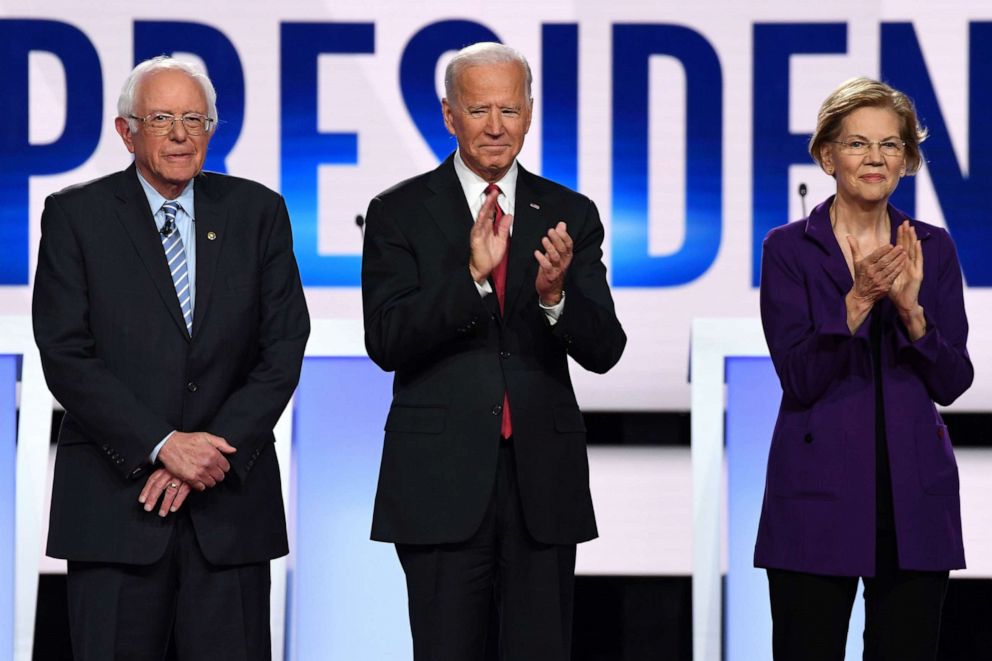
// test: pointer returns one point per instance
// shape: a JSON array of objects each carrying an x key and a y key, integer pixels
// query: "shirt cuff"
[
  {"x": 484, "y": 289},
  {"x": 154, "y": 455},
  {"x": 552, "y": 312}
]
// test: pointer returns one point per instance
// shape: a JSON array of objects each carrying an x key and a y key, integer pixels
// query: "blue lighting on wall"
[
  {"x": 753, "y": 394},
  {"x": 347, "y": 594},
  {"x": 8, "y": 465}
]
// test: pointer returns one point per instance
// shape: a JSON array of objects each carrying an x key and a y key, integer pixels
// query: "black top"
[{"x": 884, "y": 511}]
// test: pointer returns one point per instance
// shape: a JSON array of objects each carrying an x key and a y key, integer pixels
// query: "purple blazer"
[{"x": 818, "y": 514}]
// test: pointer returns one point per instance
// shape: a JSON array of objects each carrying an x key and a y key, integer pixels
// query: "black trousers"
[
  {"x": 810, "y": 613},
  {"x": 452, "y": 587},
  {"x": 130, "y": 612}
]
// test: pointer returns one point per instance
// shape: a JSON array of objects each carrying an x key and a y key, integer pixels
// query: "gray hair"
[
  {"x": 482, "y": 54},
  {"x": 125, "y": 102}
]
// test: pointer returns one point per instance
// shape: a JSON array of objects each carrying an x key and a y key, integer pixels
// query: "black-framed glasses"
[
  {"x": 161, "y": 123},
  {"x": 860, "y": 147}
]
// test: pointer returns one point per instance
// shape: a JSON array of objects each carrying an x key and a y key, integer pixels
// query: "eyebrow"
[{"x": 861, "y": 137}]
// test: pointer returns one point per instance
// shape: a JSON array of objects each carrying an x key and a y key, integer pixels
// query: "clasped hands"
[
  {"x": 895, "y": 271},
  {"x": 488, "y": 243},
  {"x": 191, "y": 460}
]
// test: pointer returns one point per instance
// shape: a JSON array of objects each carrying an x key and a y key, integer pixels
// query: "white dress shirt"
[
  {"x": 185, "y": 218},
  {"x": 474, "y": 188}
]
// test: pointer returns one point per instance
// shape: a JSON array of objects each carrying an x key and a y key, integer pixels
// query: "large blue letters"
[
  {"x": 304, "y": 148},
  {"x": 775, "y": 147},
  {"x": 964, "y": 199},
  {"x": 20, "y": 158},
  {"x": 417, "y": 69},
  {"x": 633, "y": 45},
  {"x": 560, "y": 103},
  {"x": 153, "y": 38}
]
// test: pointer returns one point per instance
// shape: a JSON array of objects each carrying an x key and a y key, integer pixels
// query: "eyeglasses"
[
  {"x": 161, "y": 123},
  {"x": 859, "y": 147}
]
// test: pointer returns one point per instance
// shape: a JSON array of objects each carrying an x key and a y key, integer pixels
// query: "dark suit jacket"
[
  {"x": 117, "y": 356},
  {"x": 819, "y": 508},
  {"x": 454, "y": 355}
]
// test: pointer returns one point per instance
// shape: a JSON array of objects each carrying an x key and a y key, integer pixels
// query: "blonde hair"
[{"x": 867, "y": 93}]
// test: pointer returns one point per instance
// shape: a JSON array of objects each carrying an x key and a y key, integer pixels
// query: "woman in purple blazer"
[{"x": 864, "y": 316}]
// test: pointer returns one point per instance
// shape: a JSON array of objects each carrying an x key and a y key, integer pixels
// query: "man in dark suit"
[
  {"x": 484, "y": 484},
  {"x": 171, "y": 322}
]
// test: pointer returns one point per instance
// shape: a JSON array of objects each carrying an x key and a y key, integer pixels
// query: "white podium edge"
[
  {"x": 713, "y": 341},
  {"x": 328, "y": 338}
]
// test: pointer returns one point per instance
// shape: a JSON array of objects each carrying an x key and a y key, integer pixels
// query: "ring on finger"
[{"x": 172, "y": 485}]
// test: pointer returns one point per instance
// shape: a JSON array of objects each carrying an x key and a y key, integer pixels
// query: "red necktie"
[{"x": 499, "y": 279}]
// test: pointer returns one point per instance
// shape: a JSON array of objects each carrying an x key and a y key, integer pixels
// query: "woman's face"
[{"x": 866, "y": 178}]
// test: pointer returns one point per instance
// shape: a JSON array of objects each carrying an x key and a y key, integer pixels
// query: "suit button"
[
  {"x": 504, "y": 354},
  {"x": 192, "y": 387},
  {"x": 498, "y": 409},
  {"x": 940, "y": 432},
  {"x": 808, "y": 438}
]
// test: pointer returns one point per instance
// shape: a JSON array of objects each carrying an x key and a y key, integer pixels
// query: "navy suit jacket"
[
  {"x": 455, "y": 355},
  {"x": 117, "y": 356}
]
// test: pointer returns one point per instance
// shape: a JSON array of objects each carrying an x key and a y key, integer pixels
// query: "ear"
[
  {"x": 827, "y": 158},
  {"x": 530, "y": 115},
  {"x": 124, "y": 130},
  {"x": 448, "y": 114}
]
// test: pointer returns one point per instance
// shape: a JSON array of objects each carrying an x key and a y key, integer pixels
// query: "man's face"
[
  {"x": 167, "y": 161},
  {"x": 490, "y": 115}
]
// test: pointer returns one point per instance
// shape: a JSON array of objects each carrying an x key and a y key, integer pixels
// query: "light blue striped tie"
[{"x": 175, "y": 254}]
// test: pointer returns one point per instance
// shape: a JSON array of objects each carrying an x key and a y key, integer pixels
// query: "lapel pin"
[
  {"x": 535, "y": 205},
  {"x": 211, "y": 236}
]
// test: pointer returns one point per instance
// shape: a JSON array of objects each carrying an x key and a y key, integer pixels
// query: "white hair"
[
  {"x": 125, "y": 102},
  {"x": 482, "y": 54}
]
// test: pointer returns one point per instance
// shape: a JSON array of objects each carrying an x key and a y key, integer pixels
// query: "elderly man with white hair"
[
  {"x": 171, "y": 322},
  {"x": 479, "y": 279}
]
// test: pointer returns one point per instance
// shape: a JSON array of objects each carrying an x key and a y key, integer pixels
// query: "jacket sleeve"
[
  {"x": 248, "y": 415},
  {"x": 109, "y": 413},
  {"x": 940, "y": 357},
  {"x": 407, "y": 319},
  {"x": 588, "y": 326},
  {"x": 809, "y": 350}
]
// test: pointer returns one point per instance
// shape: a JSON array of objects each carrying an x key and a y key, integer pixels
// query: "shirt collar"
[
  {"x": 474, "y": 186},
  {"x": 156, "y": 200}
]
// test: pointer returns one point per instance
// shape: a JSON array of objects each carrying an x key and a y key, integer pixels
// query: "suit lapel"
[
  {"x": 448, "y": 207},
  {"x": 453, "y": 216},
  {"x": 529, "y": 225},
  {"x": 820, "y": 231},
  {"x": 211, "y": 221},
  {"x": 139, "y": 224}
]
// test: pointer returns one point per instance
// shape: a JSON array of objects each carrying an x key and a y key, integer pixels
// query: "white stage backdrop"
[{"x": 686, "y": 122}]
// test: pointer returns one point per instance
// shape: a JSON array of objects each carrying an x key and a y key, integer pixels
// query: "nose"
[
  {"x": 874, "y": 155},
  {"x": 494, "y": 122},
  {"x": 178, "y": 131}
]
